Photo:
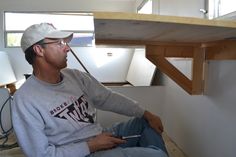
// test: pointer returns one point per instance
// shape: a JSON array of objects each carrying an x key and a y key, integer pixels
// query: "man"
[{"x": 54, "y": 110}]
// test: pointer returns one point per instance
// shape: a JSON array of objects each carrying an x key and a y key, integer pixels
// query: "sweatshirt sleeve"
[
  {"x": 29, "y": 129},
  {"x": 108, "y": 100}
]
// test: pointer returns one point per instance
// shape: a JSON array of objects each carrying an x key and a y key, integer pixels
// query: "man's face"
[{"x": 55, "y": 53}]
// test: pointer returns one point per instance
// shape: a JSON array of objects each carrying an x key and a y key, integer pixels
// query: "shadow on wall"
[{"x": 221, "y": 87}]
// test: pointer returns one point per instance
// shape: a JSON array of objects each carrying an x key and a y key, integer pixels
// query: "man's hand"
[
  {"x": 104, "y": 141},
  {"x": 154, "y": 121}
]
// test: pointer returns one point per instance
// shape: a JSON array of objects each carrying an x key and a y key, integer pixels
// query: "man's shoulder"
[
  {"x": 69, "y": 71},
  {"x": 28, "y": 88},
  {"x": 73, "y": 73}
]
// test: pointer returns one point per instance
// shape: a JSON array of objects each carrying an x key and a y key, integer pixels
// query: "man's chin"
[{"x": 64, "y": 66}]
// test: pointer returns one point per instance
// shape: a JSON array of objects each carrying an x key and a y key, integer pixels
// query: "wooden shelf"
[
  {"x": 144, "y": 27},
  {"x": 170, "y": 36}
]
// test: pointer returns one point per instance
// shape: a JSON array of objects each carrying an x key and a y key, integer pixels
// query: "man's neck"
[{"x": 50, "y": 76}]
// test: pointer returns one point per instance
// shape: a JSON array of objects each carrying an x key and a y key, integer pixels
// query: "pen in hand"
[{"x": 129, "y": 137}]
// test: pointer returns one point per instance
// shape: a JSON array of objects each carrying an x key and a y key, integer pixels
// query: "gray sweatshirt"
[{"x": 56, "y": 120}]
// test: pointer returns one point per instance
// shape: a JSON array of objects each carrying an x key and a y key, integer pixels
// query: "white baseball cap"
[{"x": 37, "y": 32}]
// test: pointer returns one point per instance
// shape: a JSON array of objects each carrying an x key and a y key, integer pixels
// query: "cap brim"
[{"x": 60, "y": 35}]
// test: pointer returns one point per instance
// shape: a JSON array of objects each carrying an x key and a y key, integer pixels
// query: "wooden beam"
[
  {"x": 175, "y": 51},
  {"x": 198, "y": 70},
  {"x": 221, "y": 50}
]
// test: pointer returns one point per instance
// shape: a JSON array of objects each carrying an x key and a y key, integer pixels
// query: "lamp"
[{"x": 7, "y": 75}]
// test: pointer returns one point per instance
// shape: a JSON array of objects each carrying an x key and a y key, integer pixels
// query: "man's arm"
[
  {"x": 105, "y": 99},
  {"x": 154, "y": 121}
]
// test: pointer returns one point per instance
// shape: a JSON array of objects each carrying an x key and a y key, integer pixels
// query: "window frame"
[
  {"x": 142, "y": 4},
  {"x": 76, "y": 32},
  {"x": 215, "y": 9}
]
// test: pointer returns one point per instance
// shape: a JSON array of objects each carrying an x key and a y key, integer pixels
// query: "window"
[
  {"x": 145, "y": 7},
  {"x": 221, "y": 7},
  {"x": 81, "y": 24}
]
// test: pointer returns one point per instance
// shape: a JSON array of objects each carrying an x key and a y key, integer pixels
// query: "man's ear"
[{"x": 38, "y": 49}]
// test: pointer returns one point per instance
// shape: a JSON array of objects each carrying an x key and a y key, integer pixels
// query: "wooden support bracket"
[{"x": 157, "y": 55}]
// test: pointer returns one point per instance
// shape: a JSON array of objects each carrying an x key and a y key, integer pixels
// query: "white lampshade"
[{"x": 7, "y": 75}]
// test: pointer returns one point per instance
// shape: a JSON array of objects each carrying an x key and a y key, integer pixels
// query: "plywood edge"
[{"x": 162, "y": 18}]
